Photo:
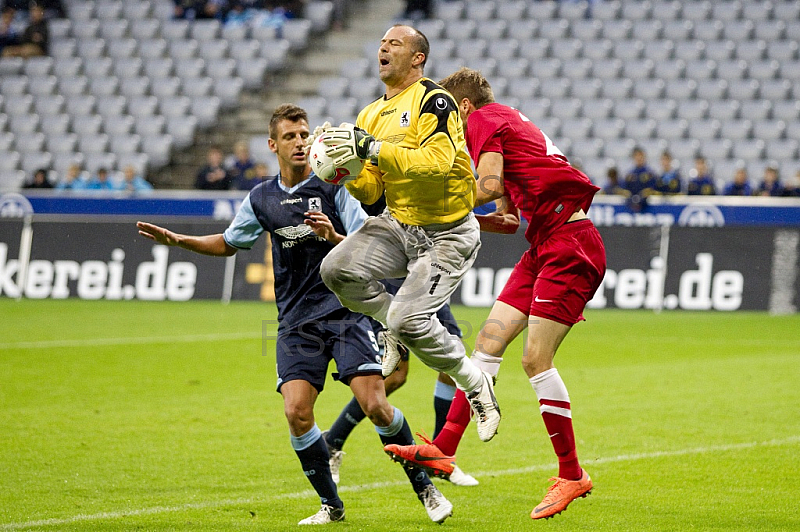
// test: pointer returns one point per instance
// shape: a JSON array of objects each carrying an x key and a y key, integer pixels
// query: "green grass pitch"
[{"x": 163, "y": 416}]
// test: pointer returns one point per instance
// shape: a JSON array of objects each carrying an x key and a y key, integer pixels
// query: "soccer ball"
[{"x": 336, "y": 164}]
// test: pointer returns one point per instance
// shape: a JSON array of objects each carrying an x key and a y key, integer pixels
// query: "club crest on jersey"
[
  {"x": 405, "y": 119},
  {"x": 314, "y": 204}
]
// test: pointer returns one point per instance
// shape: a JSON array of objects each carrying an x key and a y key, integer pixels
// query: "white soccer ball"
[{"x": 335, "y": 164}]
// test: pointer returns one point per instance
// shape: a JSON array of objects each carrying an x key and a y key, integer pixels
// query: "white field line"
[
  {"x": 89, "y": 342},
  {"x": 380, "y": 485}
]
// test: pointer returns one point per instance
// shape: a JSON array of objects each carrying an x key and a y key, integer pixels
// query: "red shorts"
[{"x": 556, "y": 279}]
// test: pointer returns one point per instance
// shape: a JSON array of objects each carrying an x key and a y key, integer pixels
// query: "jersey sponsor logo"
[
  {"x": 314, "y": 204},
  {"x": 291, "y": 201},
  {"x": 388, "y": 112},
  {"x": 441, "y": 103},
  {"x": 296, "y": 234},
  {"x": 438, "y": 266},
  {"x": 394, "y": 139},
  {"x": 405, "y": 119},
  {"x": 540, "y": 300}
]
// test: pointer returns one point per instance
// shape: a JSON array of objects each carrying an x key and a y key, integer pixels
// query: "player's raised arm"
[{"x": 207, "y": 245}]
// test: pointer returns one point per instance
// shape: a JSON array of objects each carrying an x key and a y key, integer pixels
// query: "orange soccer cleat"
[
  {"x": 560, "y": 494},
  {"x": 427, "y": 456}
]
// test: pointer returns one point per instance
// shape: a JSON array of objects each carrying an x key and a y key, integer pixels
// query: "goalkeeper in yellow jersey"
[{"x": 413, "y": 141}]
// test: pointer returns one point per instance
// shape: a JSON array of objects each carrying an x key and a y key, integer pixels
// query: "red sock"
[
  {"x": 457, "y": 420},
  {"x": 559, "y": 428}
]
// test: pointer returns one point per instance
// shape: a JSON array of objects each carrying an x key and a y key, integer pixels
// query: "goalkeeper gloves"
[{"x": 366, "y": 145}]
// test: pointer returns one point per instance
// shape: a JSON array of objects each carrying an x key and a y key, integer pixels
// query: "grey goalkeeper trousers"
[{"x": 433, "y": 259}]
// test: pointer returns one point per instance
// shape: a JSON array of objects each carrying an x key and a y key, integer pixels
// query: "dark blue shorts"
[{"x": 303, "y": 352}]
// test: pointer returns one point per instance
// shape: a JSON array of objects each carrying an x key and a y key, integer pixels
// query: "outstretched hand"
[{"x": 159, "y": 234}]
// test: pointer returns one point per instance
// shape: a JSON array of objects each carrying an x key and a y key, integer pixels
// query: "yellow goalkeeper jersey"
[{"x": 423, "y": 166}]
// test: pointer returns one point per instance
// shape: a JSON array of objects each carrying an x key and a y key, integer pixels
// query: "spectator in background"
[
  {"x": 242, "y": 167},
  {"x": 73, "y": 180},
  {"x": 641, "y": 179},
  {"x": 133, "y": 181},
  {"x": 792, "y": 188},
  {"x": 213, "y": 175},
  {"x": 289, "y": 8},
  {"x": 770, "y": 185},
  {"x": 701, "y": 182},
  {"x": 100, "y": 181},
  {"x": 612, "y": 186},
  {"x": 35, "y": 39},
  {"x": 740, "y": 186},
  {"x": 669, "y": 182},
  {"x": 201, "y": 9},
  {"x": 40, "y": 180},
  {"x": 9, "y": 34}
]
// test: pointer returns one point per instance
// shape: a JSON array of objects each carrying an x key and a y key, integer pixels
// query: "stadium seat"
[
  {"x": 68, "y": 66},
  {"x": 586, "y": 88},
  {"x": 71, "y": 85},
  {"x": 10, "y": 159},
  {"x": 104, "y": 86},
  {"x": 511, "y": 10},
  {"x": 38, "y": 66},
  {"x": 56, "y": 124},
  {"x": 33, "y": 161},
  {"x": 6, "y": 141},
  {"x": 736, "y": 129},
  {"x": 49, "y": 104},
  {"x": 134, "y": 86},
  {"x": 205, "y": 30},
  {"x": 629, "y": 109},
  {"x": 140, "y": 161},
  {"x": 775, "y": 89},
  {"x": 703, "y": 129},
  {"x": 513, "y": 68},
  {"x": 472, "y": 49},
  {"x": 617, "y": 30},
  {"x": 87, "y": 29},
  {"x": 535, "y": 108},
  {"x": 91, "y": 48},
  {"x": 640, "y": 128},
  {"x": 148, "y": 125},
  {"x": 450, "y": 11},
  {"x": 14, "y": 86},
  {"x": 556, "y": 88},
  {"x": 175, "y": 29},
  {"x": 553, "y": 28},
  {"x": 114, "y": 29},
  {"x": 174, "y": 105},
  {"x": 648, "y": 89},
  {"x": 673, "y": 128},
  {"x": 606, "y": 68},
  {"x": 142, "y": 105},
  {"x": 493, "y": 29},
  {"x": 206, "y": 109},
  {"x": 628, "y": 49},
  {"x": 142, "y": 29},
  {"x": 11, "y": 180},
  {"x": 125, "y": 144},
  {"x": 95, "y": 160},
  {"x": 98, "y": 67},
  {"x": 111, "y": 105},
  {"x": 566, "y": 49},
  {"x": 93, "y": 143},
  {"x": 788, "y": 110},
  {"x": 182, "y": 130},
  {"x": 522, "y": 30},
  {"x": 122, "y": 48},
  {"x": 218, "y": 48},
  {"x": 749, "y": 149},
  {"x": 566, "y": 108},
  {"x": 158, "y": 148},
  {"x": 62, "y": 143},
  {"x": 574, "y": 128},
  {"x": 24, "y": 123},
  {"x": 118, "y": 125},
  {"x": 523, "y": 87},
  {"x": 723, "y": 109},
  {"x": 678, "y": 30},
  {"x": 756, "y": 109},
  {"x": 597, "y": 108},
  {"x": 738, "y": 30},
  {"x": 432, "y": 28},
  {"x": 59, "y": 28},
  {"x": 534, "y": 49},
  {"x": 587, "y": 148},
  {"x": 87, "y": 124},
  {"x": 769, "y": 130},
  {"x": 216, "y": 68},
  {"x": 783, "y": 149},
  {"x": 200, "y": 86},
  {"x": 660, "y": 109},
  {"x": 109, "y": 10},
  {"x": 619, "y": 149},
  {"x": 297, "y": 32},
  {"x": 586, "y": 30},
  {"x": 18, "y": 104},
  {"x": 247, "y": 49},
  {"x": 136, "y": 10},
  {"x": 166, "y": 87},
  {"x": 252, "y": 71}
]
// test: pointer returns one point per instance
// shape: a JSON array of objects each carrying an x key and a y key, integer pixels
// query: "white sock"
[
  {"x": 548, "y": 385},
  {"x": 488, "y": 363},
  {"x": 467, "y": 376}
]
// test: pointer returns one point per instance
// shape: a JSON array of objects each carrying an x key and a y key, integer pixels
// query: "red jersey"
[{"x": 537, "y": 176}]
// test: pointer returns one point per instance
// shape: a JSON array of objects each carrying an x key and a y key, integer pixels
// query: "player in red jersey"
[{"x": 550, "y": 285}]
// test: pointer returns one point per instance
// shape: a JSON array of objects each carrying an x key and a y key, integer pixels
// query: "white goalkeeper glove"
[
  {"x": 319, "y": 130},
  {"x": 364, "y": 145}
]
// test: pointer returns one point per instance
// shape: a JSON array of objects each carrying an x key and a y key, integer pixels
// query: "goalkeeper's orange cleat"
[
  {"x": 427, "y": 456},
  {"x": 560, "y": 494}
]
